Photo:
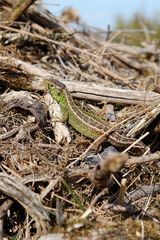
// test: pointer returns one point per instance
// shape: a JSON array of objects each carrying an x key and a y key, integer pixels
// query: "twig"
[
  {"x": 98, "y": 140},
  {"x": 9, "y": 133},
  {"x": 109, "y": 113},
  {"x": 61, "y": 44},
  {"x": 122, "y": 191},
  {"x": 143, "y": 159},
  {"x": 142, "y": 191},
  {"x": 135, "y": 142},
  {"x": 86, "y": 90},
  {"x": 119, "y": 208},
  {"x": 50, "y": 186},
  {"x": 93, "y": 202}
]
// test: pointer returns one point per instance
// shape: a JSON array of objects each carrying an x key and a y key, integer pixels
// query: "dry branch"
[
  {"x": 143, "y": 159},
  {"x": 16, "y": 10},
  {"x": 142, "y": 191},
  {"x": 33, "y": 77},
  {"x": 14, "y": 188},
  {"x": 40, "y": 47}
]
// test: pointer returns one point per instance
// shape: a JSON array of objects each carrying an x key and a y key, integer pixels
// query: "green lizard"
[{"x": 83, "y": 122}]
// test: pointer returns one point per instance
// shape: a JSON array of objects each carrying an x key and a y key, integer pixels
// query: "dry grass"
[{"x": 39, "y": 193}]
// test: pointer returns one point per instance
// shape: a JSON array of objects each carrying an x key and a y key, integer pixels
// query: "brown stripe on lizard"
[{"x": 85, "y": 123}]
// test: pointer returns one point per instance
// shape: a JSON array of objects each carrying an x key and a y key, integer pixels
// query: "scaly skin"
[
  {"x": 61, "y": 96},
  {"x": 83, "y": 122}
]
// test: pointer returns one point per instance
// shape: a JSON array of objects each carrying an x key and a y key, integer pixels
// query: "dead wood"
[
  {"x": 143, "y": 159},
  {"x": 14, "y": 188},
  {"x": 86, "y": 172},
  {"x": 44, "y": 18},
  {"x": 102, "y": 93},
  {"x": 9, "y": 133},
  {"x": 37, "y": 151},
  {"x": 32, "y": 77},
  {"x": 142, "y": 191},
  {"x": 33, "y": 106},
  {"x": 15, "y": 9}
]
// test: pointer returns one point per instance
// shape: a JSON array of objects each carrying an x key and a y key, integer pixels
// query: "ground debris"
[{"x": 55, "y": 182}]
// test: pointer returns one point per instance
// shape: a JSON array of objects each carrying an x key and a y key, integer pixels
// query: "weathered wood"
[
  {"x": 143, "y": 159},
  {"x": 13, "y": 187},
  {"x": 32, "y": 77},
  {"x": 14, "y": 10},
  {"x": 44, "y": 18},
  {"x": 100, "y": 92},
  {"x": 142, "y": 191}
]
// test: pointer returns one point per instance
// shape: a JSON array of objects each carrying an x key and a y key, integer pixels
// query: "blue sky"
[{"x": 100, "y": 13}]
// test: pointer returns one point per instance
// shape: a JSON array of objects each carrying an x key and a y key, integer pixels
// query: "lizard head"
[{"x": 56, "y": 90}]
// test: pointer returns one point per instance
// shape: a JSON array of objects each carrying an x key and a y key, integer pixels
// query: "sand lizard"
[{"x": 84, "y": 123}]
